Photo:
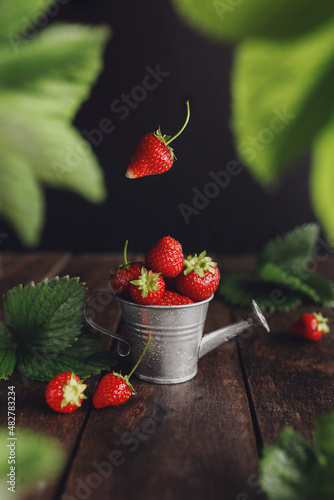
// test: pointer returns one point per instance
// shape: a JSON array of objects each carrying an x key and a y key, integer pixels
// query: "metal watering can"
[{"x": 177, "y": 341}]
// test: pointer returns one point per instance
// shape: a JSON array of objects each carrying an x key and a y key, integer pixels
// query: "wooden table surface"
[{"x": 199, "y": 440}]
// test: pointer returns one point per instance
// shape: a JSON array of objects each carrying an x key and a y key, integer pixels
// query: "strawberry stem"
[
  {"x": 125, "y": 252},
  {"x": 184, "y": 126},
  {"x": 140, "y": 358}
]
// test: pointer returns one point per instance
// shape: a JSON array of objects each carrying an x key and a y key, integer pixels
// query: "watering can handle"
[{"x": 102, "y": 329}]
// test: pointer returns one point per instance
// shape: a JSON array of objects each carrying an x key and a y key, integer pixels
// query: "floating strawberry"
[
  {"x": 165, "y": 257},
  {"x": 148, "y": 288},
  {"x": 152, "y": 154},
  {"x": 200, "y": 277},
  {"x": 173, "y": 299},
  {"x": 114, "y": 389},
  {"x": 64, "y": 393},
  {"x": 310, "y": 326},
  {"x": 120, "y": 278}
]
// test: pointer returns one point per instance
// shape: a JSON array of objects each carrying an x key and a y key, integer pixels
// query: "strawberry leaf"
[
  {"x": 47, "y": 322},
  {"x": 294, "y": 248},
  {"x": 270, "y": 273},
  {"x": 85, "y": 357},
  {"x": 7, "y": 353},
  {"x": 48, "y": 314},
  {"x": 240, "y": 288}
]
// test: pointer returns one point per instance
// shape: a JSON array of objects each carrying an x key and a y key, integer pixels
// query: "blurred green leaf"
[
  {"x": 294, "y": 248},
  {"x": 18, "y": 16},
  {"x": 7, "y": 353},
  {"x": 322, "y": 178},
  {"x": 240, "y": 289},
  {"x": 38, "y": 458},
  {"x": 43, "y": 82},
  {"x": 237, "y": 19},
  {"x": 21, "y": 196},
  {"x": 280, "y": 100}
]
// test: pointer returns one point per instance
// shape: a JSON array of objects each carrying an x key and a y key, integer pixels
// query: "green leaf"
[
  {"x": 322, "y": 178},
  {"x": 46, "y": 317},
  {"x": 42, "y": 86},
  {"x": 85, "y": 357},
  {"x": 293, "y": 469},
  {"x": 293, "y": 249},
  {"x": 280, "y": 93},
  {"x": 21, "y": 197},
  {"x": 38, "y": 458},
  {"x": 24, "y": 17},
  {"x": 236, "y": 19},
  {"x": 240, "y": 288},
  {"x": 7, "y": 353},
  {"x": 270, "y": 273},
  {"x": 324, "y": 435}
]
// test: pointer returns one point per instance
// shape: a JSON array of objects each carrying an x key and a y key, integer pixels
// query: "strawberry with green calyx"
[
  {"x": 165, "y": 257},
  {"x": 310, "y": 326},
  {"x": 152, "y": 154},
  {"x": 199, "y": 278},
  {"x": 114, "y": 389},
  {"x": 170, "y": 298},
  {"x": 148, "y": 288},
  {"x": 64, "y": 393},
  {"x": 120, "y": 278}
]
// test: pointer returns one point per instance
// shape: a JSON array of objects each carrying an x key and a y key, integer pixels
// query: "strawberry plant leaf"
[
  {"x": 47, "y": 315},
  {"x": 293, "y": 249},
  {"x": 322, "y": 178},
  {"x": 323, "y": 287},
  {"x": 85, "y": 357},
  {"x": 21, "y": 203},
  {"x": 236, "y": 19},
  {"x": 240, "y": 288},
  {"x": 280, "y": 94},
  {"x": 7, "y": 353},
  {"x": 14, "y": 21},
  {"x": 270, "y": 273},
  {"x": 43, "y": 84},
  {"x": 40, "y": 459},
  {"x": 293, "y": 468}
]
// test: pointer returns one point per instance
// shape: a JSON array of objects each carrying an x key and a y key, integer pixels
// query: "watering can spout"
[{"x": 214, "y": 339}]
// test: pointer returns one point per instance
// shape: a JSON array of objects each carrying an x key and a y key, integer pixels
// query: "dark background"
[{"x": 240, "y": 218}]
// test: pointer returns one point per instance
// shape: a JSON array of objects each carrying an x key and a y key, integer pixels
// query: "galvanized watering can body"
[{"x": 177, "y": 340}]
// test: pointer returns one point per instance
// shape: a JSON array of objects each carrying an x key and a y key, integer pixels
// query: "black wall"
[{"x": 238, "y": 218}]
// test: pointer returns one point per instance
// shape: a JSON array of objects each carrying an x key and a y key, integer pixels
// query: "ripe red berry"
[
  {"x": 200, "y": 277},
  {"x": 148, "y": 288},
  {"x": 165, "y": 257},
  {"x": 64, "y": 393},
  {"x": 152, "y": 154},
  {"x": 173, "y": 299},
  {"x": 310, "y": 326},
  {"x": 112, "y": 390},
  {"x": 120, "y": 278}
]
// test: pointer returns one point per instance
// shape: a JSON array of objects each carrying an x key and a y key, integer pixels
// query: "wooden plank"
[
  {"x": 290, "y": 381},
  {"x": 191, "y": 440}
]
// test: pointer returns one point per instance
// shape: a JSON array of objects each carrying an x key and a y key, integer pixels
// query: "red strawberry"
[
  {"x": 64, "y": 393},
  {"x": 173, "y": 299},
  {"x": 120, "y": 278},
  {"x": 310, "y": 326},
  {"x": 152, "y": 154},
  {"x": 165, "y": 257},
  {"x": 200, "y": 277},
  {"x": 148, "y": 288},
  {"x": 114, "y": 389}
]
